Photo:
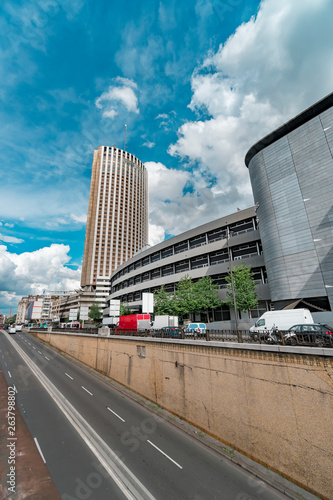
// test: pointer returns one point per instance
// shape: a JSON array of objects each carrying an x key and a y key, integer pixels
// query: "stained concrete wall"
[{"x": 275, "y": 407}]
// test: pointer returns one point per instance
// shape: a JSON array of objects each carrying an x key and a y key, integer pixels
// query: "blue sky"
[{"x": 197, "y": 83}]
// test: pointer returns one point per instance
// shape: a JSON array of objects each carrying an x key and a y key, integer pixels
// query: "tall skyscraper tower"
[{"x": 117, "y": 223}]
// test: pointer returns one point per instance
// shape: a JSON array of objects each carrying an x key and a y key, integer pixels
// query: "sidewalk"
[{"x": 29, "y": 477}]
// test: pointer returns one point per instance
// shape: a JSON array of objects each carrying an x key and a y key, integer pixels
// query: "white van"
[{"x": 283, "y": 320}]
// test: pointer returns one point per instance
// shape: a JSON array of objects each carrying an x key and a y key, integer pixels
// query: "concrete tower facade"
[{"x": 117, "y": 223}]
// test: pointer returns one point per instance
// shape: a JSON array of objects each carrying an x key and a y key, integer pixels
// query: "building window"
[
  {"x": 218, "y": 257},
  {"x": 181, "y": 247},
  {"x": 201, "y": 261},
  {"x": 166, "y": 252},
  {"x": 167, "y": 270},
  {"x": 182, "y": 266},
  {"x": 198, "y": 241},
  {"x": 216, "y": 235}
]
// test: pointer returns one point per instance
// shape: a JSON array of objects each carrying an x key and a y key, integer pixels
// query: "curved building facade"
[
  {"x": 291, "y": 172},
  {"x": 117, "y": 223},
  {"x": 202, "y": 251}
]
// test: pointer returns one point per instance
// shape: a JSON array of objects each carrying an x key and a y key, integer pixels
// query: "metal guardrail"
[{"x": 276, "y": 337}]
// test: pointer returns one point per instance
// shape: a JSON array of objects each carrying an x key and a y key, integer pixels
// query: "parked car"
[
  {"x": 11, "y": 329},
  {"x": 172, "y": 331},
  {"x": 195, "y": 329},
  {"x": 307, "y": 334}
]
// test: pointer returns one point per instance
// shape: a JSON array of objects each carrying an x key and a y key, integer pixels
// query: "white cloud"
[
  {"x": 149, "y": 144},
  {"x": 55, "y": 205},
  {"x": 269, "y": 70},
  {"x": 156, "y": 234},
  {"x": 174, "y": 204},
  {"x": 32, "y": 272},
  {"x": 79, "y": 218},
  {"x": 117, "y": 96},
  {"x": 8, "y": 224},
  {"x": 10, "y": 239}
]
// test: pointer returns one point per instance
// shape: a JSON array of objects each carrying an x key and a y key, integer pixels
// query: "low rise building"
[{"x": 208, "y": 250}]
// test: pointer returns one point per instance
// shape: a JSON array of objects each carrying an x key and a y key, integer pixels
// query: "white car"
[
  {"x": 18, "y": 328},
  {"x": 12, "y": 329},
  {"x": 195, "y": 329}
]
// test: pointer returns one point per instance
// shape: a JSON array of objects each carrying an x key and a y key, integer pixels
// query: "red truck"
[{"x": 133, "y": 323}]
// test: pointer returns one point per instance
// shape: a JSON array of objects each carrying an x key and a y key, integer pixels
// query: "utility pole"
[{"x": 232, "y": 285}]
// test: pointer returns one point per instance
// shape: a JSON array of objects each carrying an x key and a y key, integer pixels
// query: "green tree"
[
  {"x": 95, "y": 313},
  {"x": 163, "y": 302},
  {"x": 11, "y": 320},
  {"x": 124, "y": 310},
  {"x": 184, "y": 300},
  {"x": 244, "y": 288},
  {"x": 206, "y": 294}
]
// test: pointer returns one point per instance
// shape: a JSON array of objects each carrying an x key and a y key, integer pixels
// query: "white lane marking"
[
  {"x": 87, "y": 390},
  {"x": 47, "y": 358},
  {"x": 69, "y": 376},
  {"x": 15, "y": 389},
  {"x": 164, "y": 453},
  {"x": 33, "y": 347},
  {"x": 9, "y": 374},
  {"x": 115, "y": 414},
  {"x": 5, "y": 364},
  {"x": 29, "y": 343},
  {"x": 40, "y": 451},
  {"x": 40, "y": 352}
]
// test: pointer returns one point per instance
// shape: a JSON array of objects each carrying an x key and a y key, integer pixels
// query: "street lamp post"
[{"x": 232, "y": 285}]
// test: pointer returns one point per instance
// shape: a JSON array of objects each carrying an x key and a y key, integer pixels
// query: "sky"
[{"x": 197, "y": 83}]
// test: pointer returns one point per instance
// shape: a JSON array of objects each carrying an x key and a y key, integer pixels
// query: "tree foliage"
[
  {"x": 188, "y": 297},
  {"x": 124, "y": 309},
  {"x": 162, "y": 302},
  {"x": 244, "y": 288},
  {"x": 95, "y": 312},
  {"x": 11, "y": 320},
  {"x": 206, "y": 294}
]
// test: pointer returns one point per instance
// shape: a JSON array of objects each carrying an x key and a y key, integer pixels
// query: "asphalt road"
[{"x": 98, "y": 444}]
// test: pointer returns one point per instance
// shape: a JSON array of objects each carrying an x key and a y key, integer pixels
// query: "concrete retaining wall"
[{"x": 275, "y": 407}]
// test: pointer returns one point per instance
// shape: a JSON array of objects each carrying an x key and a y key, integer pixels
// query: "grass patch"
[{"x": 230, "y": 452}]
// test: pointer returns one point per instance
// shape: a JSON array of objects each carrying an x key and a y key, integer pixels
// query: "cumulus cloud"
[
  {"x": 167, "y": 188},
  {"x": 269, "y": 70},
  {"x": 117, "y": 96},
  {"x": 32, "y": 272}
]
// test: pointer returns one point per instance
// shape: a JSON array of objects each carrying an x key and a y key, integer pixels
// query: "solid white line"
[
  {"x": 69, "y": 376},
  {"x": 115, "y": 414},
  {"x": 87, "y": 390},
  {"x": 40, "y": 451},
  {"x": 9, "y": 374},
  {"x": 164, "y": 454}
]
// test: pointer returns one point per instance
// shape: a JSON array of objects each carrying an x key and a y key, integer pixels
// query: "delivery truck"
[
  {"x": 133, "y": 323},
  {"x": 164, "y": 321},
  {"x": 282, "y": 320}
]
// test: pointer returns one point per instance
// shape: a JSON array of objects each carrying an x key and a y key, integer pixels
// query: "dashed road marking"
[
  {"x": 115, "y": 414},
  {"x": 167, "y": 456}
]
